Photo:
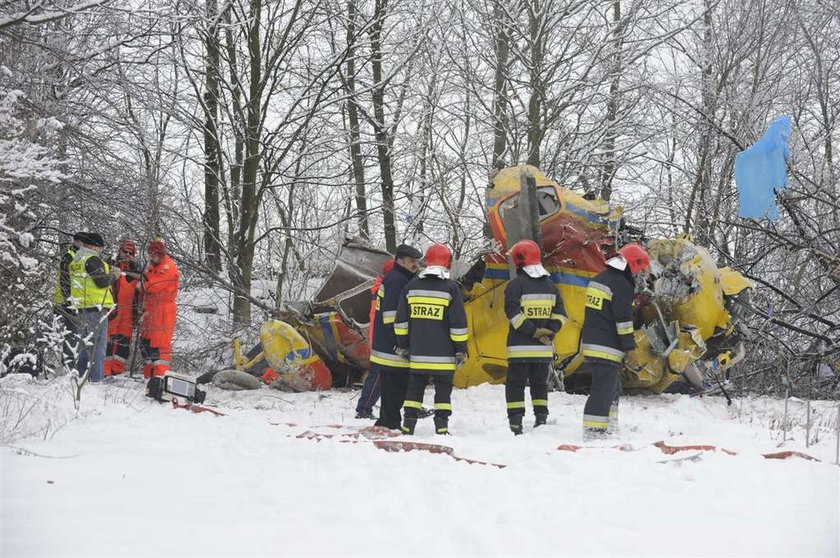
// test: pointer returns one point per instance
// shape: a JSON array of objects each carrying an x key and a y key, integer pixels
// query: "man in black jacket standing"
[
  {"x": 535, "y": 312},
  {"x": 431, "y": 332},
  {"x": 607, "y": 336},
  {"x": 393, "y": 368}
]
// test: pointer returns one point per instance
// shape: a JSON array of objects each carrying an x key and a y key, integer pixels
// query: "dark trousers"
[
  {"x": 604, "y": 393},
  {"x": 116, "y": 354},
  {"x": 394, "y": 382},
  {"x": 536, "y": 374},
  {"x": 443, "y": 395},
  {"x": 370, "y": 391}
]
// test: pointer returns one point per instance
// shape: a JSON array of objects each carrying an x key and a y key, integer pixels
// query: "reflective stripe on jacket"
[
  {"x": 608, "y": 323},
  {"x": 84, "y": 293},
  {"x": 387, "y": 298},
  {"x": 62, "y": 281},
  {"x": 530, "y": 304},
  {"x": 432, "y": 324}
]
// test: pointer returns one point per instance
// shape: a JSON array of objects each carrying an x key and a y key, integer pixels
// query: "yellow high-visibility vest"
[
  {"x": 83, "y": 291},
  {"x": 58, "y": 296}
]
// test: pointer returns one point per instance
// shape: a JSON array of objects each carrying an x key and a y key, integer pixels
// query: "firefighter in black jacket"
[
  {"x": 393, "y": 368},
  {"x": 431, "y": 332},
  {"x": 535, "y": 311},
  {"x": 607, "y": 336}
]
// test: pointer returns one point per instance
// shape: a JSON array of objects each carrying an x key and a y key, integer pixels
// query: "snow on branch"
[
  {"x": 27, "y": 162},
  {"x": 37, "y": 15}
]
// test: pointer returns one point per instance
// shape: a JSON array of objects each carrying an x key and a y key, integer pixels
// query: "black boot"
[
  {"x": 408, "y": 426},
  {"x": 442, "y": 425},
  {"x": 515, "y": 424},
  {"x": 540, "y": 420}
]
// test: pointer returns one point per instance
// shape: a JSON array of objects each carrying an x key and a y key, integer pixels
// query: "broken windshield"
[{"x": 547, "y": 205}]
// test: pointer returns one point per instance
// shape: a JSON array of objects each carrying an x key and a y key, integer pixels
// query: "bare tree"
[
  {"x": 356, "y": 161},
  {"x": 212, "y": 148}
]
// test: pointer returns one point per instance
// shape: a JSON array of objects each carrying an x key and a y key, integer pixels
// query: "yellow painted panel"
[{"x": 733, "y": 282}]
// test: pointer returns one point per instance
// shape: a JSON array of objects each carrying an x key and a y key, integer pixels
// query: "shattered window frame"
[{"x": 544, "y": 193}]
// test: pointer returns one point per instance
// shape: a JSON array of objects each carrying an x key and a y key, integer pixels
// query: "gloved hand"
[
  {"x": 544, "y": 335},
  {"x": 405, "y": 353},
  {"x": 460, "y": 359}
]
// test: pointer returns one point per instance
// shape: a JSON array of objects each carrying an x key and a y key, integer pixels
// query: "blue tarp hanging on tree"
[{"x": 760, "y": 171}]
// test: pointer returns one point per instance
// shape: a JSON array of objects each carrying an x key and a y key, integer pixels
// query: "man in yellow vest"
[
  {"x": 61, "y": 304},
  {"x": 91, "y": 300}
]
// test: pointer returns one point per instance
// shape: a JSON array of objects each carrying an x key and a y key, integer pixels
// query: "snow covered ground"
[{"x": 126, "y": 476}]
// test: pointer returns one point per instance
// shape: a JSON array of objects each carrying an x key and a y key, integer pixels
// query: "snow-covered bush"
[{"x": 27, "y": 163}]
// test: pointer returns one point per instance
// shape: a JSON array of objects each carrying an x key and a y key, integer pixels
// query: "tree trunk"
[
  {"x": 425, "y": 172},
  {"x": 697, "y": 200},
  {"x": 212, "y": 159},
  {"x": 610, "y": 164},
  {"x": 353, "y": 117},
  {"x": 231, "y": 194},
  {"x": 383, "y": 151},
  {"x": 250, "y": 169},
  {"x": 535, "y": 113},
  {"x": 501, "y": 45}
]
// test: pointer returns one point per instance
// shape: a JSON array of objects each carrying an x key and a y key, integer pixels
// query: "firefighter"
[
  {"x": 159, "y": 291},
  {"x": 91, "y": 302},
  {"x": 371, "y": 387},
  {"x": 431, "y": 331},
  {"x": 607, "y": 337},
  {"x": 391, "y": 367},
  {"x": 535, "y": 311},
  {"x": 123, "y": 318},
  {"x": 61, "y": 300}
]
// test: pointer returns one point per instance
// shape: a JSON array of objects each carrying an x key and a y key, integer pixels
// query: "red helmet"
[
  {"x": 636, "y": 256},
  {"x": 526, "y": 252},
  {"x": 156, "y": 247},
  {"x": 439, "y": 254},
  {"x": 128, "y": 246}
]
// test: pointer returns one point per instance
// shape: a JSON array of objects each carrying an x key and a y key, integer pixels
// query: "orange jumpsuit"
[
  {"x": 160, "y": 289},
  {"x": 121, "y": 323}
]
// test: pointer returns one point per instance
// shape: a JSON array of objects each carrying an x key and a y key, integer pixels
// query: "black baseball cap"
[
  {"x": 96, "y": 239},
  {"x": 90, "y": 238},
  {"x": 407, "y": 251}
]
